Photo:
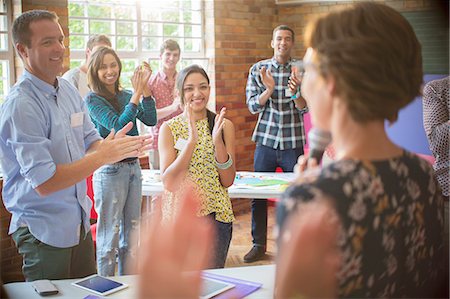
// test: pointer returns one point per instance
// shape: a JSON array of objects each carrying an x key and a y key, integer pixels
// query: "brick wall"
[
  {"x": 243, "y": 31},
  {"x": 298, "y": 16}
]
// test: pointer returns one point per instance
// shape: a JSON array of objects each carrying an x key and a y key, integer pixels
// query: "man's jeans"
[
  {"x": 118, "y": 197},
  {"x": 267, "y": 160}
]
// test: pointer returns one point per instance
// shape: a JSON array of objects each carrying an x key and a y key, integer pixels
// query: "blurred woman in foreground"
[{"x": 363, "y": 64}]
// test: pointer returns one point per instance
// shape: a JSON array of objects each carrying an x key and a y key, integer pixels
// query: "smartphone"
[{"x": 44, "y": 287}]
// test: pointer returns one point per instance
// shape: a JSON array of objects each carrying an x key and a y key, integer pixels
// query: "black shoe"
[{"x": 255, "y": 254}]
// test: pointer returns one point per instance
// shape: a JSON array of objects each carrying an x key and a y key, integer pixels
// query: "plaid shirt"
[{"x": 280, "y": 123}]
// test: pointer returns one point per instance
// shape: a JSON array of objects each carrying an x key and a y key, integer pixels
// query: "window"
[
  {"x": 6, "y": 50},
  {"x": 137, "y": 28}
]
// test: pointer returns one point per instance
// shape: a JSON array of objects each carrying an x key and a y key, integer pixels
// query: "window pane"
[
  {"x": 192, "y": 45},
  {"x": 97, "y": 11},
  {"x": 125, "y": 12},
  {"x": 196, "y": 4},
  {"x": 151, "y": 43},
  {"x": 4, "y": 42},
  {"x": 3, "y": 23},
  {"x": 191, "y": 4},
  {"x": 4, "y": 81},
  {"x": 150, "y": 15},
  {"x": 150, "y": 29},
  {"x": 171, "y": 30},
  {"x": 172, "y": 4},
  {"x": 128, "y": 66},
  {"x": 75, "y": 63},
  {"x": 126, "y": 28},
  {"x": 76, "y": 10},
  {"x": 192, "y": 31},
  {"x": 196, "y": 17},
  {"x": 77, "y": 42},
  {"x": 77, "y": 26},
  {"x": 154, "y": 64},
  {"x": 100, "y": 27},
  {"x": 126, "y": 43},
  {"x": 171, "y": 16}
]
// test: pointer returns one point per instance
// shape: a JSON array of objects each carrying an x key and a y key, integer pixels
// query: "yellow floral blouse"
[{"x": 202, "y": 172}]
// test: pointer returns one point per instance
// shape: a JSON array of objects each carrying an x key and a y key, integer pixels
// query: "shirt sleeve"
[
  {"x": 253, "y": 90},
  {"x": 147, "y": 111},
  {"x": 24, "y": 134},
  {"x": 104, "y": 114},
  {"x": 435, "y": 120}
]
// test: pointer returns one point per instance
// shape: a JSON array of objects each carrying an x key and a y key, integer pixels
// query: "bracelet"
[{"x": 224, "y": 165}]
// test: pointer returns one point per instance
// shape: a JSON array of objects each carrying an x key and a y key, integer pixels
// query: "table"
[
  {"x": 261, "y": 274},
  {"x": 152, "y": 185}
]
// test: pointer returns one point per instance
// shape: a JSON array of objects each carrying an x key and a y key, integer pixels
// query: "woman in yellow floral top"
[{"x": 197, "y": 148}]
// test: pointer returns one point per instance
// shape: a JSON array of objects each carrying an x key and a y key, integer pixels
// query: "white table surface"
[
  {"x": 261, "y": 274},
  {"x": 152, "y": 185}
]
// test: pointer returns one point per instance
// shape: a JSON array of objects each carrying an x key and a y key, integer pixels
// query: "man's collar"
[
  {"x": 276, "y": 64},
  {"x": 41, "y": 84},
  {"x": 163, "y": 75}
]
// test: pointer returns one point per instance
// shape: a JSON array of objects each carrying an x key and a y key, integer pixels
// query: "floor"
[{"x": 241, "y": 242}]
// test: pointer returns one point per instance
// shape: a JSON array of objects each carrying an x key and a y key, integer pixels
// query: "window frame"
[
  {"x": 8, "y": 54},
  {"x": 139, "y": 54}
]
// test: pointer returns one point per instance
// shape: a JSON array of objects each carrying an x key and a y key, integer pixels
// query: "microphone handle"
[{"x": 316, "y": 154}]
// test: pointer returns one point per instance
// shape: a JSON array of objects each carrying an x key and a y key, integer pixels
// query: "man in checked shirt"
[{"x": 273, "y": 91}]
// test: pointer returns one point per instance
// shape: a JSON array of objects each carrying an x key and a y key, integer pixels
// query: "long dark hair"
[
  {"x": 192, "y": 69},
  {"x": 94, "y": 82}
]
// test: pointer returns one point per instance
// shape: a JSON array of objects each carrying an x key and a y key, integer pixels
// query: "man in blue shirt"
[
  {"x": 273, "y": 93},
  {"x": 48, "y": 146}
]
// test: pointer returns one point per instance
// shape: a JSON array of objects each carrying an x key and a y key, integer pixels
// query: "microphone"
[{"x": 318, "y": 141}]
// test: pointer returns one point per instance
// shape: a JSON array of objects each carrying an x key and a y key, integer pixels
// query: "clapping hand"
[
  {"x": 176, "y": 250},
  {"x": 219, "y": 124},
  {"x": 294, "y": 81},
  {"x": 140, "y": 79},
  {"x": 267, "y": 78},
  {"x": 118, "y": 146},
  {"x": 193, "y": 133}
]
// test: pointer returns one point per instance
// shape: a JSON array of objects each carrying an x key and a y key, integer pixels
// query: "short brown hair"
[
  {"x": 283, "y": 27},
  {"x": 170, "y": 45},
  {"x": 373, "y": 54},
  {"x": 98, "y": 39},
  {"x": 21, "y": 27}
]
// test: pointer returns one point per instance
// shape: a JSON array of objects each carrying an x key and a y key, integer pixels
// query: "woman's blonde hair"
[{"x": 374, "y": 56}]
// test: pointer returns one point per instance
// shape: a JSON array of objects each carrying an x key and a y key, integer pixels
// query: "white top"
[{"x": 78, "y": 79}]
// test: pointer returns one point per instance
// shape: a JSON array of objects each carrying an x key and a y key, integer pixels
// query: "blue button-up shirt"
[{"x": 40, "y": 127}]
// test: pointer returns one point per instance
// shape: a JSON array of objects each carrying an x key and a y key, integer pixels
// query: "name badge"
[
  {"x": 76, "y": 119},
  {"x": 288, "y": 92},
  {"x": 180, "y": 144}
]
